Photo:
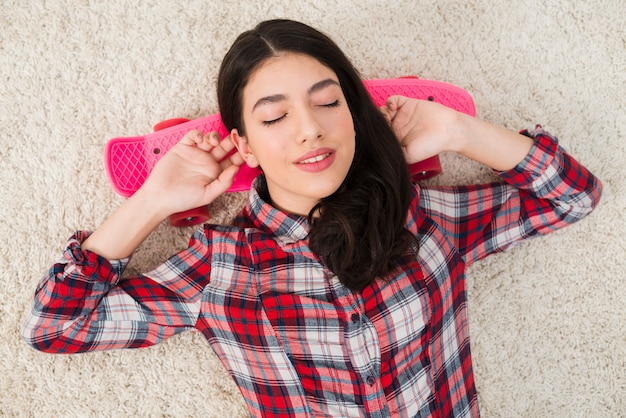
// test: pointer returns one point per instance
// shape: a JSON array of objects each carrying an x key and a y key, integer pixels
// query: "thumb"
[{"x": 221, "y": 184}]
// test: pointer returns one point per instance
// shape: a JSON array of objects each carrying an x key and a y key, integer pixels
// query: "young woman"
[{"x": 340, "y": 289}]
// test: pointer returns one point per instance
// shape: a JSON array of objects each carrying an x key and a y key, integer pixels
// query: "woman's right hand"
[{"x": 192, "y": 173}]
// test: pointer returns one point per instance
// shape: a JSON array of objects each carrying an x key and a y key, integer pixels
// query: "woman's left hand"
[{"x": 424, "y": 128}]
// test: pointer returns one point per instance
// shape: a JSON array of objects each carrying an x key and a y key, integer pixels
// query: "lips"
[{"x": 317, "y": 160}]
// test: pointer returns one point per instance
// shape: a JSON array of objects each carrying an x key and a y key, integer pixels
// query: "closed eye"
[
  {"x": 336, "y": 103},
  {"x": 274, "y": 121}
]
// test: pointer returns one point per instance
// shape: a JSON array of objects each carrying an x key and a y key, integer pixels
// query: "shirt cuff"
[
  {"x": 540, "y": 157},
  {"x": 89, "y": 264}
]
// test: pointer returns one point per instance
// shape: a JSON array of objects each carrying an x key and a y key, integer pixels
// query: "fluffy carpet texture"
[{"x": 547, "y": 318}]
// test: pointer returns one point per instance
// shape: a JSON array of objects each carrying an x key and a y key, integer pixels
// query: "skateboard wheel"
[
  {"x": 425, "y": 169},
  {"x": 169, "y": 123},
  {"x": 190, "y": 217}
]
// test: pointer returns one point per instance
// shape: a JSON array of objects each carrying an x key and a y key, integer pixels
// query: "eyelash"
[{"x": 275, "y": 121}]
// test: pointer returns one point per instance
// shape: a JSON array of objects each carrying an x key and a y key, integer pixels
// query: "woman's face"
[{"x": 298, "y": 129}]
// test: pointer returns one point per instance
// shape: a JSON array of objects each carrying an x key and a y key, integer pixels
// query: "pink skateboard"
[{"x": 129, "y": 160}]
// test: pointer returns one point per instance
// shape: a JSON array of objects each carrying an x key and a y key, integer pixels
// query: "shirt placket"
[{"x": 363, "y": 347}]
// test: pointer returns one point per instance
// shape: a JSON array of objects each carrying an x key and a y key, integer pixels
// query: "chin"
[{"x": 325, "y": 192}]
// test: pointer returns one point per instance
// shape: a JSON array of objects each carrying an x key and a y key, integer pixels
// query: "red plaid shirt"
[{"x": 295, "y": 340}]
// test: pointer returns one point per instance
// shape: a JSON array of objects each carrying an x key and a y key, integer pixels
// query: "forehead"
[{"x": 285, "y": 73}]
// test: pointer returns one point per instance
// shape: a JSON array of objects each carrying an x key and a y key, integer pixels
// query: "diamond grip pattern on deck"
[{"x": 129, "y": 161}]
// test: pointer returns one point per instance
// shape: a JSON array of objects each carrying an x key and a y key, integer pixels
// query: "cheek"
[
  {"x": 345, "y": 124},
  {"x": 344, "y": 121},
  {"x": 268, "y": 149}
]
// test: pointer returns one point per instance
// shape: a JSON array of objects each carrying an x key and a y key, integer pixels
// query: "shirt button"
[
  {"x": 355, "y": 317},
  {"x": 370, "y": 380}
]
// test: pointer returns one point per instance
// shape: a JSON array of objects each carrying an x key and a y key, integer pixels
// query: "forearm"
[
  {"x": 191, "y": 174},
  {"x": 548, "y": 190},
  {"x": 82, "y": 305},
  {"x": 120, "y": 235},
  {"x": 491, "y": 145}
]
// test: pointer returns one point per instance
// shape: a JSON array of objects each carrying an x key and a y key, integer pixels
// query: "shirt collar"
[{"x": 286, "y": 228}]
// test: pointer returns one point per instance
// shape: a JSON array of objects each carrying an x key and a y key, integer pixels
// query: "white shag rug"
[{"x": 548, "y": 318}]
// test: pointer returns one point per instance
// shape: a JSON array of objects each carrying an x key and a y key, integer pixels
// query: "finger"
[
  {"x": 392, "y": 105},
  {"x": 227, "y": 143},
  {"x": 236, "y": 159},
  {"x": 395, "y": 102},
  {"x": 222, "y": 150},
  {"x": 214, "y": 138},
  {"x": 209, "y": 140},
  {"x": 222, "y": 183},
  {"x": 192, "y": 137}
]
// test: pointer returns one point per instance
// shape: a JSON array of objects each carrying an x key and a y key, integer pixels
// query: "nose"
[{"x": 310, "y": 126}]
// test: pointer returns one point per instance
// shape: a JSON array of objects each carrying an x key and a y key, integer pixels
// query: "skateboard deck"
[{"x": 129, "y": 160}]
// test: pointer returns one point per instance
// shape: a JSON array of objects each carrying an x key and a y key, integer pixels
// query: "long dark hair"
[{"x": 360, "y": 232}]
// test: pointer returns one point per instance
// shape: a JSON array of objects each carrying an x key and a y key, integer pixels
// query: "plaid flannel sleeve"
[
  {"x": 83, "y": 304},
  {"x": 546, "y": 191}
]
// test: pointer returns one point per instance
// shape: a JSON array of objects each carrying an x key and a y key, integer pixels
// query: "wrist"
[
  {"x": 494, "y": 146},
  {"x": 120, "y": 235},
  {"x": 463, "y": 133},
  {"x": 150, "y": 204}
]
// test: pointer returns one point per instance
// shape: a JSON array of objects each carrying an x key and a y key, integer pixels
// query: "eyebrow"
[{"x": 320, "y": 85}]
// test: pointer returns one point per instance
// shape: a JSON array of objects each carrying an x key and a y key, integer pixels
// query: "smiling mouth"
[{"x": 315, "y": 159}]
